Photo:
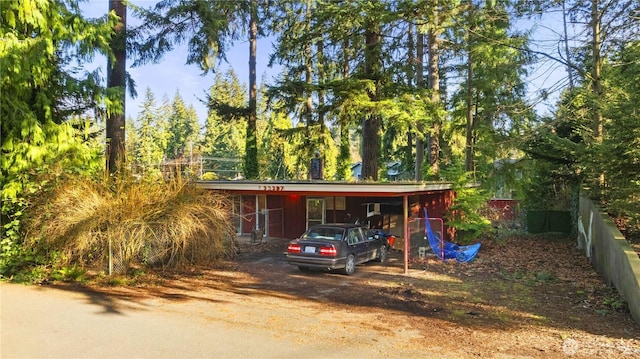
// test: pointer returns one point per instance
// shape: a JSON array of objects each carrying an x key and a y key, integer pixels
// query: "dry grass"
[{"x": 136, "y": 223}]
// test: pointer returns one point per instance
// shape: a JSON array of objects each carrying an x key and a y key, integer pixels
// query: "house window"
[{"x": 339, "y": 203}]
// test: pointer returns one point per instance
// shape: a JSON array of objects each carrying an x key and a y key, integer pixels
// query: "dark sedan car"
[{"x": 337, "y": 246}]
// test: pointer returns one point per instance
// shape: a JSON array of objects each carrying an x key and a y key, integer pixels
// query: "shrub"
[
  {"x": 209, "y": 176},
  {"x": 132, "y": 223},
  {"x": 466, "y": 214}
]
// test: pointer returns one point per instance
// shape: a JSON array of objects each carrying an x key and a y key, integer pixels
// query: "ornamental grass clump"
[{"x": 133, "y": 223}]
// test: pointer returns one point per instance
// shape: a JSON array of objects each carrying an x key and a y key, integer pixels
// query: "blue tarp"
[{"x": 448, "y": 250}]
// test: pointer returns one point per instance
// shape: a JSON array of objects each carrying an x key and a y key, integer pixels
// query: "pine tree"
[
  {"x": 150, "y": 140},
  {"x": 621, "y": 142},
  {"x": 116, "y": 73},
  {"x": 322, "y": 45},
  {"x": 275, "y": 153},
  {"x": 210, "y": 28},
  {"x": 225, "y": 128},
  {"x": 295, "y": 89},
  {"x": 183, "y": 130},
  {"x": 492, "y": 98}
]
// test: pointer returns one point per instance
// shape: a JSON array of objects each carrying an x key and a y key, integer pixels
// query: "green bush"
[
  {"x": 209, "y": 176},
  {"x": 69, "y": 274},
  {"x": 466, "y": 214}
]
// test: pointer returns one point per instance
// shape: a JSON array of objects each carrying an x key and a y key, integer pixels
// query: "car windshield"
[{"x": 327, "y": 233}]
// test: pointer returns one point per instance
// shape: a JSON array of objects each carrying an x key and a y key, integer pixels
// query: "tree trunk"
[
  {"x": 434, "y": 86},
  {"x": 344, "y": 165},
  {"x": 597, "y": 85},
  {"x": 116, "y": 72},
  {"x": 566, "y": 44},
  {"x": 469, "y": 99},
  {"x": 251, "y": 160},
  {"x": 411, "y": 74},
  {"x": 596, "y": 70},
  {"x": 419, "y": 126},
  {"x": 310, "y": 145},
  {"x": 321, "y": 101},
  {"x": 371, "y": 122}
]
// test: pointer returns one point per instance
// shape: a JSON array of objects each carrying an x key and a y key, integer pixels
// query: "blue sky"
[{"x": 173, "y": 74}]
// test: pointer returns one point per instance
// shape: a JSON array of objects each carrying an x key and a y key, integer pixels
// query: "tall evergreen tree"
[
  {"x": 293, "y": 23},
  {"x": 577, "y": 134},
  {"x": 439, "y": 14},
  {"x": 226, "y": 98},
  {"x": 210, "y": 28},
  {"x": 622, "y": 140},
  {"x": 131, "y": 144},
  {"x": 225, "y": 128},
  {"x": 183, "y": 129},
  {"x": 44, "y": 104},
  {"x": 492, "y": 99},
  {"x": 275, "y": 152},
  {"x": 372, "y": 73},
  {"x": 116, "y": 77},
  {"x": 251, "y": 158},
  {"x": 347, "y": 78},
  {"x": 151, "y": 132}
]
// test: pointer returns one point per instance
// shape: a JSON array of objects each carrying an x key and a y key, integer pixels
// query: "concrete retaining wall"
[{"x": 610, "y": 253}]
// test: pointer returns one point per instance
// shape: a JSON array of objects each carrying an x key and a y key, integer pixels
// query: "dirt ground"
[{"x": 522, "y": 297}]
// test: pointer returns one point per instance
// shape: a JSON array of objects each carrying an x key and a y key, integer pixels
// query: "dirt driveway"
[{"x": 523, "y": 298}]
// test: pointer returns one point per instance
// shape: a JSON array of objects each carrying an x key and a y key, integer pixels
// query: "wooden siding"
[{"x": 290, "y": 207}]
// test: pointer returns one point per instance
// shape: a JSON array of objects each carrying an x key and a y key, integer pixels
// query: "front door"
[{"x": 315, "y": 211}]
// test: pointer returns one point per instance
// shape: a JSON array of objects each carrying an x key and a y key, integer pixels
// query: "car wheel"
[
  {"x": 350, "y": 265},
  {"x": 382, "y": 253},
  {"x": 303, "y": 268}
]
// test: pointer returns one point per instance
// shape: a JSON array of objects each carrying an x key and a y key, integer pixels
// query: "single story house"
[{"x": 286, "y": 209}]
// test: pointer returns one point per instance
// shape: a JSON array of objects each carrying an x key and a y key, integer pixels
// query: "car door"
[
  {"x": 368, "y": 238},
  {"x": 372, "y": 243},
  {"x": 357, "y": 244}
]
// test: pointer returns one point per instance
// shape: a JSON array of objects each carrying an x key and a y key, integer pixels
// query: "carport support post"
[{"x": 405, "y": 209}]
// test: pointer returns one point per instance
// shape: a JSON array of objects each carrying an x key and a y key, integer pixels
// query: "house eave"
[{"x": 326, "y": 188}]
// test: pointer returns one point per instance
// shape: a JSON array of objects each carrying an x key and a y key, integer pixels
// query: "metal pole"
[
  {"x": 110, "y": 254},
  {"x": 267, "y": 214},
  {"x": 405, "y": 205},
  {"x": 257, "y": 211}
]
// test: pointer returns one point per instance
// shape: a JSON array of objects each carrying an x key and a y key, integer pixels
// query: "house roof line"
[{"x": 326, "y": 188}]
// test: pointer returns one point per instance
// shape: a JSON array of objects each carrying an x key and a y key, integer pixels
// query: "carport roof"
[{"x": 327, "y": 188}]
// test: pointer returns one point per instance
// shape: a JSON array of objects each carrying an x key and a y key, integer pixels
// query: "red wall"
[
  {"x": 277, "y": 220},
  {"x": 437, "y": 204},
  {"x": 506, "y": 210},
  {"x": 294, "y": 215}
]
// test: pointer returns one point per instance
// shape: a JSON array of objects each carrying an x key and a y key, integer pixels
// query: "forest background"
[{"x": 438, "y": 89}]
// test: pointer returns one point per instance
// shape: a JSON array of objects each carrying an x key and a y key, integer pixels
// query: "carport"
[{"x": 286, "y": 208}]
